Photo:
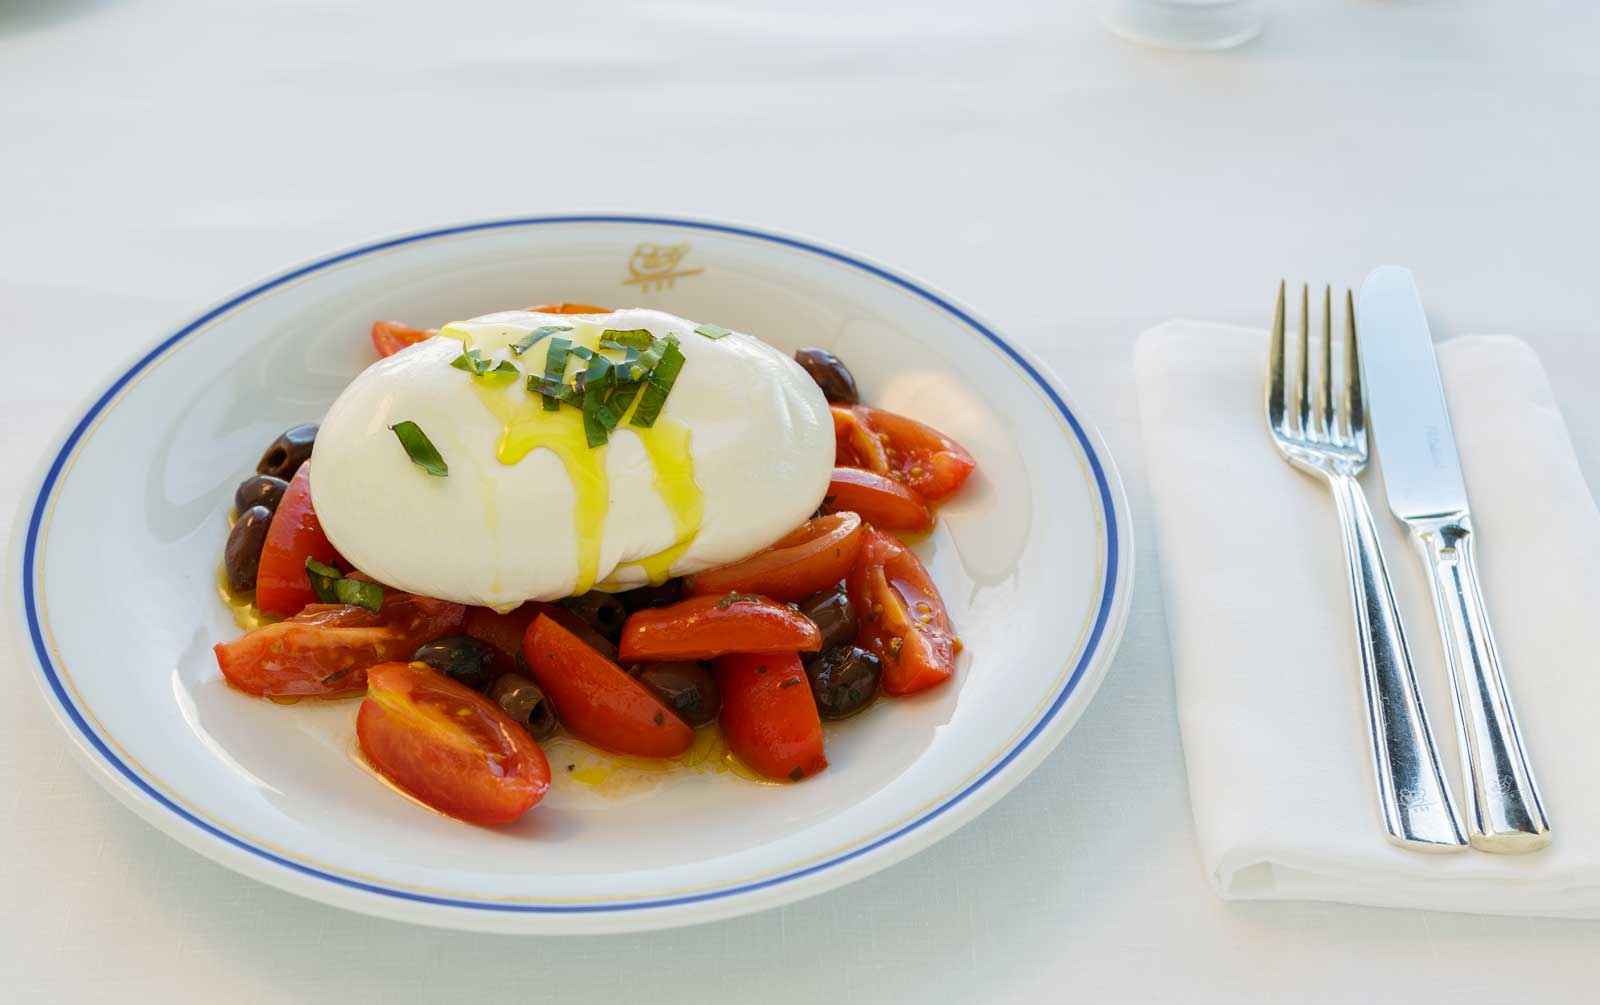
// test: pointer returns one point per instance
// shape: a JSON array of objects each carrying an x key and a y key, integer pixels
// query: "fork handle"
[
  {"x": 1413, "y": 795},
  {"x": 1504, "y": 812}
]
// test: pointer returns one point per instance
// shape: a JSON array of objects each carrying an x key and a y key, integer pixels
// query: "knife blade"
[
  {"x": 1410, "y": 421},
  {"x": 1422, "y": 475}
]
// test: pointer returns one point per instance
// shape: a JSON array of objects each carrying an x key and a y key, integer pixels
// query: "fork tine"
[
  {"x": 1302, "y": 399},
  {"x": 1277, "y": 396},
  {"x": 1325, "y": 420},
  {"x": 1354, "y": 409}
]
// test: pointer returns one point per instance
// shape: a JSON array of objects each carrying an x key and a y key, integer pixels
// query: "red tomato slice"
[
  {"x": 598, "y": 700},
  {"x": 903, "y": 619},
  {"x": 327, "y": 648},
  {"x": 505, "y": 631},
  {"x": 814, "y": 557},
  {"x": 389, "y": 337},
  {"x": 769, "y": 717},
  {"x": 451, "y": 748},
  {"x": 926, "y": 460},
  {"x": 855, "y": 445},
  {"x": 700, "y": 628},
  {"x": 293, "y": 536},
  {"x": 881, "y": 501},
  {"x": 569, "y": 309}
]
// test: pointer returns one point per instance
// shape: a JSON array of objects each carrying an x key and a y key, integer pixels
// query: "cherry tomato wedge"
[
  {"x": 505, "y": 632},
  {"x": 568, "y": 309},
  {"x": 927, "y": 461},
  {"x": 813, "y": 557},
  {"x": 327, "y": 648},
  {"x": 769, "y": 717},
  {"x": 881, "y": 501},
  {"x": 903, "y": 619},
  {"x": 700, "y": 628},
  {"x": 293, "y": 536},
  {"x": 451, "y": 748},
  {"x": 389, "y": 337},
  {"x": 598, "y": 700},
  {"x": 855, "y": 445}
]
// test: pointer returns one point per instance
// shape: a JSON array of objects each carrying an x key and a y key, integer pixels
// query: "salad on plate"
[{"x": 620, "y": 525}]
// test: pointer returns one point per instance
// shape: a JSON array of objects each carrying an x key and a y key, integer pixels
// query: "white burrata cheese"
[{"x": 741, "y": 454}]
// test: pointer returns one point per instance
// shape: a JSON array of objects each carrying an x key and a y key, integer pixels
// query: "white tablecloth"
[{"x": 1073, "y": 187}]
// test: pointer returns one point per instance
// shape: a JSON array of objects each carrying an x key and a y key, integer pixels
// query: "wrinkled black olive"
[
  {"x": 462, "y": 658},
  {"x": 686, "y": 688},
  {"x": 259, "y": 490},
  {"x": 523, "y": 700},
  {"x": 669, "y": 592},
  {"x": 601, "y": 611},
  {"x": 242, "y": 554},
  {"x": 837, "y": 384},
  {"x": 288, "y": 452},
  {"x": 834, "y": 616},
  {"x": 843, "y": 681}
]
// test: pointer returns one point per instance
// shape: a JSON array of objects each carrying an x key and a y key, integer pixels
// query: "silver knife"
[{"x": 1422, "y": 473}]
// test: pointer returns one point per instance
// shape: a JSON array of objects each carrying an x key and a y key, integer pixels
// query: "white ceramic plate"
[{"x": 116, "y": 554}]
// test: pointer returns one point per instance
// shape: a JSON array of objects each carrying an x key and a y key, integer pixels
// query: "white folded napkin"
[{"x": 1265, "y": 651}]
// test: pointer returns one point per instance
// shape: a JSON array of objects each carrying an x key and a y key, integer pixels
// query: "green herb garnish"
[
  {"x": 735, "y": 598},
  {"x": 555, "y": 366},
  {"x": 599, "y": 380},
  {"x": 633, "y": 338},
  {"x": 420, "y": 449},
  {"x": 712, "y": 332},
  {"x": 658, "y": 385},
  {"x": 331, "y": 587},
  {"x": 610, "y": 414},
  {"x": 473, "y": 362},
  {"x": 533, "y": 338}
]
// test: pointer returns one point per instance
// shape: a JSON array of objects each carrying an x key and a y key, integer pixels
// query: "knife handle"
[
  {"x": 1504, "y": 812},
  {"x": 1413, "y": 795}
]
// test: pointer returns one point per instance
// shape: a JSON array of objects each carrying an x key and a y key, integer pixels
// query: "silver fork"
[{"x": 1331, "y": 442}]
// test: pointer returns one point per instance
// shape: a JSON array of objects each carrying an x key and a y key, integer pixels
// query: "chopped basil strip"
[
  {"x": 322, "y": 577},
  {"x": 712, "y": 332},
  {"x": 503, "y": 374},
  {"x": 658, "y": 385},
  {"x": 633, "y": 338},
  {"x": 555, "y": 366},
  {"x": 471, "y": 361},
  {"x": 611, "y": 413},
  {"x": 420, "y": 449},
  {"x": 534, "y": 337},
  {"x": 554, "y": 393},
  {"x": 359, "y": 593},
  {"x": 600, "y": 379},
  {"x": 331, "y": 587}
]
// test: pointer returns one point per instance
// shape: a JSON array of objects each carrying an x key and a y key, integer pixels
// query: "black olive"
[
  {"x": 838, "y": 386},
  {"x": 462, "y": 658},
  {"x": 259, "y": 490},
  {"x": 242, "y": 553},
  {"x": 686, "y": 688},
  {"x": 669, "y": 592},
  {"x": 843, "y": 681},
  {"x": 833, "y": 615},
  {"x": 288, "y": 452},
  {"x": 523, "y": 700},
  {"x": 600, "y": 611}
]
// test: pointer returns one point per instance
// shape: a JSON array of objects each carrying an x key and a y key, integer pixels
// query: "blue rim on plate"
[{"x": 52, "y": 474}]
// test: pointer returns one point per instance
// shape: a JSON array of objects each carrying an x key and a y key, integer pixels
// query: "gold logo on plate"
[{"x": 655, "y": 266}]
